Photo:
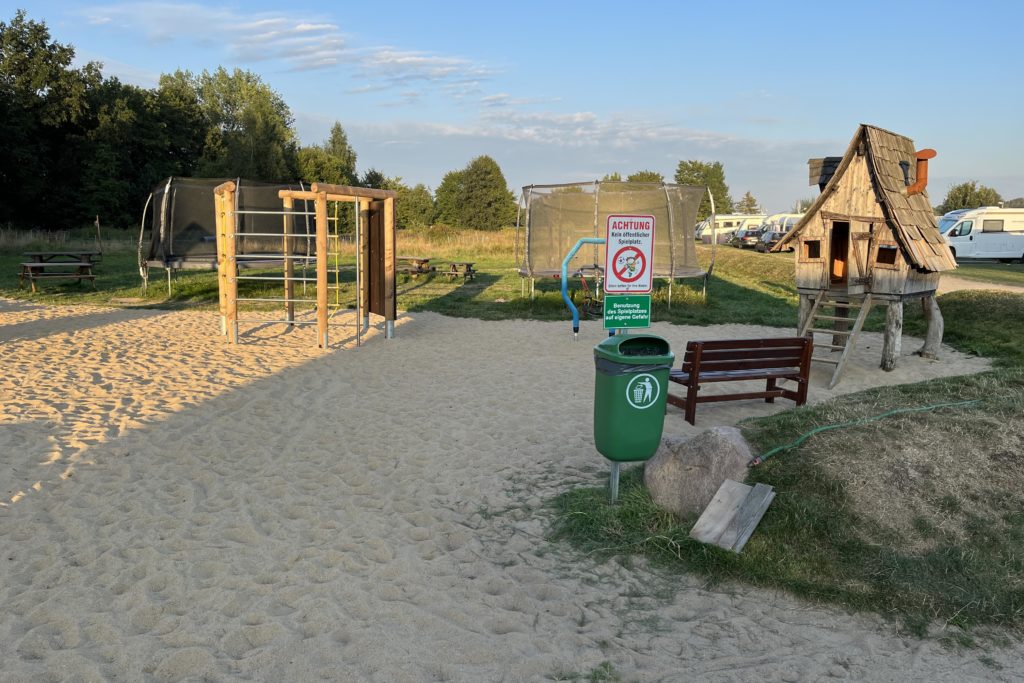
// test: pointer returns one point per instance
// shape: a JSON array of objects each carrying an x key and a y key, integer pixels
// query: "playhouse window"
[
  {"x": 812, "y": 249},
  {"x": 886, "y": 255}
]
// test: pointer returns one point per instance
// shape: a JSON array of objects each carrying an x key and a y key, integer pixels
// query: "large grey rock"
[{"x": 685, "y": 473}]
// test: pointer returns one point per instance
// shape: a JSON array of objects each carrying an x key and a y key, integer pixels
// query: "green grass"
[
  {"x": 954, "y": 559},
  {"x": 998, "y": 273}
]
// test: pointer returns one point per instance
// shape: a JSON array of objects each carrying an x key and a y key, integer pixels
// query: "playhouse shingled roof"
[{"x": 910, "y": 218}]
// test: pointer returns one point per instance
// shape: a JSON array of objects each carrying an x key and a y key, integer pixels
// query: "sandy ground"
[{"x": 178, "y": 509}]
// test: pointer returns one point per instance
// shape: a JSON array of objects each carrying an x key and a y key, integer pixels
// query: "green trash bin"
[{"x": 630, "y": 393}]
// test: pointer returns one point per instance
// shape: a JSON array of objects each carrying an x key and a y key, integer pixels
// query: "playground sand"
[{"x": 178, "y": 509}]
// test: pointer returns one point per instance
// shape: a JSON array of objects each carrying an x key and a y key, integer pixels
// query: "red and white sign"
[{"x": 629, "y": 253}]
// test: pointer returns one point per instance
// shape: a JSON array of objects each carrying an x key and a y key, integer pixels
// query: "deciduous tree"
[
  {"x": 476, "y": 197},
  {"x": 712, "y": 174},
  {"x": 969, "y": 195}
]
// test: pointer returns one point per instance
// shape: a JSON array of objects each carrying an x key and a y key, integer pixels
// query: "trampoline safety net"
[
  {"x": 181, "y": 222},
  {"x": 554, "y": 217}
]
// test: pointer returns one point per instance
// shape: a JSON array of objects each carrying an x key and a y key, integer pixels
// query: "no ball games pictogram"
[
  {"x": 629, "y": 264},
  {"x": 629, "y": 254}
]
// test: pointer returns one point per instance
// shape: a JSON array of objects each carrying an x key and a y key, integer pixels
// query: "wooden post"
[
  {"x": 364, "y": 260},
  {"x": 841, "y": 326},
  {"x": 321, "y": 269},
  {"x": 802, "y": 312},
  {"x": 230, "y": 265},
  {"x": 936, "y": 326},
  {"x": 390, "y": 304},
  {"x": 893, "y": 335},
  {"x": 218, "y": 219},
  {"x": 289, "y": 268}
]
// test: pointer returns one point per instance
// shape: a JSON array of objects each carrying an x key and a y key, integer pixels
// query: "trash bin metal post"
[{"x": 565, "y": 282}]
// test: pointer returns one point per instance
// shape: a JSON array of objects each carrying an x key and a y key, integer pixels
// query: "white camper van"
[
  {"x": 988, "y": 233},
  {"x": 725, "y": 225}
]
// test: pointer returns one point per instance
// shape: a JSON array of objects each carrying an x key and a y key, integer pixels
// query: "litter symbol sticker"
[
  {"x": 642, "y": 391},
  {"x": 629, "y": 250}
]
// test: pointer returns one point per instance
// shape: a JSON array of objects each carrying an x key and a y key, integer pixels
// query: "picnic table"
[
  {"x": 460, "y": 268},
  {"x": 47, "y": 265},
  {"x": 417, "y": 265}
]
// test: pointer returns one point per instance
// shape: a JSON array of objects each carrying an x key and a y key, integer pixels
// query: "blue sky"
[{"x": 567, "y": 91}]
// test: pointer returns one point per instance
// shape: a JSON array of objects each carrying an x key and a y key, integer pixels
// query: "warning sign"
[{"x": 630, "y": 250}]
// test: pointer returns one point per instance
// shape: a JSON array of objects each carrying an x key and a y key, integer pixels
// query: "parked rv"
[
  {"x": 988, "y": 233},
  {"x": 725, "y": 226}
]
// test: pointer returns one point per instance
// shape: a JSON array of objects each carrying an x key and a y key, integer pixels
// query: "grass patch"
[
  {"x": 998, "y": 273},
  {"x": 923, "y": 525}
]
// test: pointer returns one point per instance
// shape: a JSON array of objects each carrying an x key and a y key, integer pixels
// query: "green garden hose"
[{"x": 853, "y": 423}]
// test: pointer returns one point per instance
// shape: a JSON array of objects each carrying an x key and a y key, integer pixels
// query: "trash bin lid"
[{"x": 639, "y": 349}]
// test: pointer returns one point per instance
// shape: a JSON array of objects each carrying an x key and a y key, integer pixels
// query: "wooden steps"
[{"x": 826, "y": 308}]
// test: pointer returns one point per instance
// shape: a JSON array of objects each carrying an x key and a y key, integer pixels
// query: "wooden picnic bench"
[
  {"x": 463, "y": 269},
  {"x": 70, "y": 255},
  {"x": 417, "y": 265},
  {"x": 737, "y": 360},
  {"x": 49, "y": 270}
]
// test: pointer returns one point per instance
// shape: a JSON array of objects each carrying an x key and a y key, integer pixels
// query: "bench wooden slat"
[
  {"x": 743, "y": 360},
  {"x": 745, "y": 364},
  {"x": 745, "y": 354}
]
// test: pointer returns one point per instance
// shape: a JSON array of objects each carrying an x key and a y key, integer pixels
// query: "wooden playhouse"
[{"x": 870, "y": 237}]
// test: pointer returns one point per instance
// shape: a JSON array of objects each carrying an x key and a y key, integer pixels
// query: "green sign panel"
[{"x": 633, "y": 310}]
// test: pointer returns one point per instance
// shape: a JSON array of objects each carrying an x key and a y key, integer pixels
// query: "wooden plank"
[
  {"x": 362, "y": 192},
  {"x": 720, "y": 512},
  {"x": 747, "y": 518}
]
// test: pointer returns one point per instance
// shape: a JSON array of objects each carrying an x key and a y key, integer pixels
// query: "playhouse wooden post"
[
  {"x": 936, "y": 326},
  {"x": 321, "y": 269},
  {"x": 893, "y": 335},
  {"x": 802, "y": 312}
]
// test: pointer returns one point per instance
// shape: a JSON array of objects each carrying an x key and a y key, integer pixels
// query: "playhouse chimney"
[{"x": 922, "y": 171}]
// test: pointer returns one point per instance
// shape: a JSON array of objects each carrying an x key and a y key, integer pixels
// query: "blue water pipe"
[{"x": 565, "y": 281}]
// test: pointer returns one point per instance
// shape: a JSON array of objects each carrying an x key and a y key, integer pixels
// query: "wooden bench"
[
  {"x": 417, "y": 265},
  {"x": 462, "y": 269},
  {"x": 738, "y": 360},
  {"x": 49, "y": 270}
]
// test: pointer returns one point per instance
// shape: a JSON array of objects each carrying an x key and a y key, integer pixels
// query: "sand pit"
[{"x": 177, "y": 509}]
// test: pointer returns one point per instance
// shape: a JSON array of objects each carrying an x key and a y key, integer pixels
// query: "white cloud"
[{"x": 298, "y": 43}]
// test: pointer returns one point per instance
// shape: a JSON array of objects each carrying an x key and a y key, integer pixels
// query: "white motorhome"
[{"x": 988, "y": 233}]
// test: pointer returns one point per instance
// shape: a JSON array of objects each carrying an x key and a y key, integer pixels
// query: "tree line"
[{"x": 78, "y": 144}]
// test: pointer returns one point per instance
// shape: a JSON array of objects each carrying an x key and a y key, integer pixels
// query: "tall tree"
[
  {"x": 646, "y": 177},
  {"x": 414, "y": 206},
  {"x": 476, "y": 197},
  {"x": 712, "y": 174},
  {"x": 44, "y": 108},
  {"x": 373, "y": 178},
  {"x": 969, "y": 195},
  {"x": 316, "y": 165},
  {"x": 249, "y": 130},
  {"x": 748, "y": 204},
  {"x": 337, "y": 146}
]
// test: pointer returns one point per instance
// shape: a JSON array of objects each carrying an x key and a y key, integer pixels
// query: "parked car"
[
  {"x": 768, "y": 240},
  {"x": 745, "y": 239}
]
